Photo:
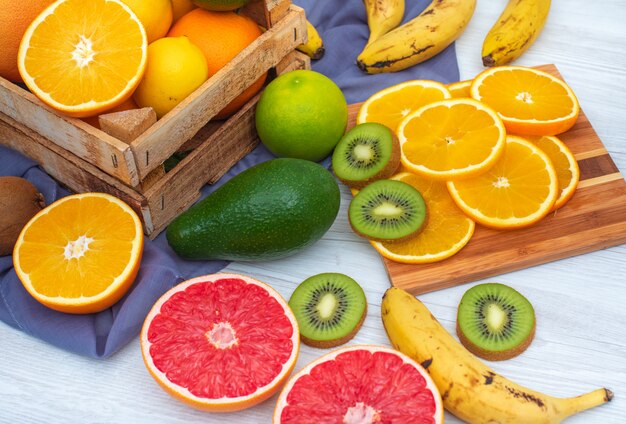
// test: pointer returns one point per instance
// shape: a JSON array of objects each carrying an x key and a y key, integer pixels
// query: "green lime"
[
  {"x": 301, "y": 114},
  {"x": 220, "y": 5}
]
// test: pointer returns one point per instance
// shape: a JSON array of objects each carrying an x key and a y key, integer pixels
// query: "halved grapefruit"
[
  {"x": 360, "y": 384},
  {"x": 221, "y": 342}
]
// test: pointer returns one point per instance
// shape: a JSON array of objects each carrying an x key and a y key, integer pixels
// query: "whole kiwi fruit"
[{"x": 19, "y": 202}]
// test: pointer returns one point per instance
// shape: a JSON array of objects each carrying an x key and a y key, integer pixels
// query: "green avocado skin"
[{"x": 269, "y": 211}]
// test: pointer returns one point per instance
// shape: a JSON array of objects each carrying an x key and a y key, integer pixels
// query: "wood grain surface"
[{"x": 595, "y": 218}]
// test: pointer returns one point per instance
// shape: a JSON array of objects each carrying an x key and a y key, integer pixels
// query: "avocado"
[{"x": 269, "y": 211}]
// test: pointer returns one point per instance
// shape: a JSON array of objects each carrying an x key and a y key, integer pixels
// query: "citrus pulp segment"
[
  {"x": 460, "y": 89},
  {"x": 360, "y": 384},
  {"x": 83, "y": 57},
  {"x": 391, "y": 105},
  {"x": 565, "y": 165},
  {"x": 517, "y": 191},
  {"x": 81, "y": 253},
  {"x": 221, "y": 342},
  {"x": 451, "y": 139},
  {"x": 529, "y": 101},
  {"x": 447, "y": 231}
]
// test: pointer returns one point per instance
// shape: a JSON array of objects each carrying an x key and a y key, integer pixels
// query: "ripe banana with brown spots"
[
  {"x": 515, "y": 31},
  {"x": 314, "y": 46},
  {"x": 424, "y": 36},
  {"x": 471, "y": 390},
  {"x": 383, "y": 16}
]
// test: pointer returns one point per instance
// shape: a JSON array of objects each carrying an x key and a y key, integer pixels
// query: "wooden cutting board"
[{"x": 595, "y": 218}]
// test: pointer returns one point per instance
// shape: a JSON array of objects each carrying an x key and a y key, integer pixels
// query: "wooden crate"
[{"x": 85, "y": 158}]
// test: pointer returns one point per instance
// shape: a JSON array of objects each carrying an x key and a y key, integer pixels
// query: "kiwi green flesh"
[
  {"x": 495, "y": 318},
  {"x": 368, "y": 152},
  {"x": 329, "y": 308},
  {"x": 387, "y": 210}
]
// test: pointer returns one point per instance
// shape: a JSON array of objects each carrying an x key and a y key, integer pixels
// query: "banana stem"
[{"x": 571, "y": 406}]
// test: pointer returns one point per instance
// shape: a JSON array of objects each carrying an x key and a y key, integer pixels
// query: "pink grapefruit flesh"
[
  {"x": 360, "y": 385},
  {"x": 221, "y": 342}
]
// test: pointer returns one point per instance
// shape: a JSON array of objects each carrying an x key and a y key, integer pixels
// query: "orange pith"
[
  {"x": 448, "y": 229},
  {"x": 529, "y": 101},
  {"x": 451, "y": 139},
  {"x": 460, "y": 89},
  {"x": 391, "y": 105},
  {"x": 82, "y": 58},
  {"x": 565, "y": 165},
  {"x": 519, "y": 190},
  {"x": 80, "y": 254}
]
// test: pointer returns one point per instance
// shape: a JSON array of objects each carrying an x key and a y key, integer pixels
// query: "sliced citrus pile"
[
  {"x": 517, "y": 191},
  {"x": 565, "y": 165},
  {"x": 220, "y": 342},
  {"x": 391, "y": 105},
  {"x": 529, "y": 101},
  {"x": 448, "y": 229},
  {"x": 83, "y": 57},
  {"x": 460, "y": 89},
  {"x": 81, "y": 253},
  {"x": 451, "y": 139},
  {"x": 360, "y": 384}
]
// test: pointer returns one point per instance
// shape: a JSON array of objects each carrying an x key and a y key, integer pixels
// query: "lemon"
[
  {"x": 155, "y": 15},
  {"x": 181, "y": 7},
  {"x": 175, "y": 68}
]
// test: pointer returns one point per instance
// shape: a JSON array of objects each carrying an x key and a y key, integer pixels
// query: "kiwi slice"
[
  {"x": 330, "y": 308},
  {"x": 495, "y": 322},
  {"x": 387, "y": 210},
  {"x": 366, "y": 153}
]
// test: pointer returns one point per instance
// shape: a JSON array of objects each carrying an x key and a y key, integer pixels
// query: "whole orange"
[
  {"x": 15, "y": 17},
  {"x": 220, "y": 36}
]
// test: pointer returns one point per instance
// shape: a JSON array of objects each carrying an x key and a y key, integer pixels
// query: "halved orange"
[
  {"x": 565, "y": 165},
  {"x": 447, "y": 231},
  {"x": 83, "y": 57},
  {"x": 391, "y": 105},
  {"x": 451, "y": 139},
  {"x": 517, "y": 191},
  {"x": 460, "y": 89},
  {"x": 529, "y": 101},
  {"x": 81, "y": 253}
]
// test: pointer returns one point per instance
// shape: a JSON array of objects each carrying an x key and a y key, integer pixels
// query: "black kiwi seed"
[
  {"x": 495, "y": 322},
  {"x": 330, "y": 308},
  {"x": 368, "y": 152},
  {"x": 387, "y": 210}
]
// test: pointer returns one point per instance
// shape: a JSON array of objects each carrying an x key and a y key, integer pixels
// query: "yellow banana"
[
  {"x": 383, "y": 16},
  {"x": 421, "y": 38},
  {"x": 314, "y": 47},
  {"x": 515, "y": 31},
  {"x": 471, "y": 390}
]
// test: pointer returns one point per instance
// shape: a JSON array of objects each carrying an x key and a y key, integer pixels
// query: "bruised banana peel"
[
  {"x": 423, "y": 37},
  {"x": 314, "y": 47},
  {"x": 515, "y": 31},
  {"x": 383, "y": 16},
  {"x": 470, "y": 390}
]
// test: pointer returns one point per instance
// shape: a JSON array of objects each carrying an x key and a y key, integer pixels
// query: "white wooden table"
[{"x": 580, "y": 302}]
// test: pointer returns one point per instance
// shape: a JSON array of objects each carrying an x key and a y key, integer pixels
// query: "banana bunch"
[
  {"x": 515, "y": 31},
  {"x": 314, "y": 47},
  {"x": 471, "y": 390},
  {"x": 418, "y": 40}
]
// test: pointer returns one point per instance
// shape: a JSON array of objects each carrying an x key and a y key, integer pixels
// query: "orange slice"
[
  {"x": 391, "y": 105},
  {"x": 565, "y": 165},
  {"x": 517, "y": 191},
  {"x": 81, "y": 253},
  {"x": 460, "y": 89},
  {"x": 451, "y": 139},
  {"x": 83, "y": 57},
  {"x": 448, "y": 229},
  {"x": 529, "y": 101}
]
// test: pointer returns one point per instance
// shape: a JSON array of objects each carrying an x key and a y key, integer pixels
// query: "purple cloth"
[{"x": 343, "y": 26}]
